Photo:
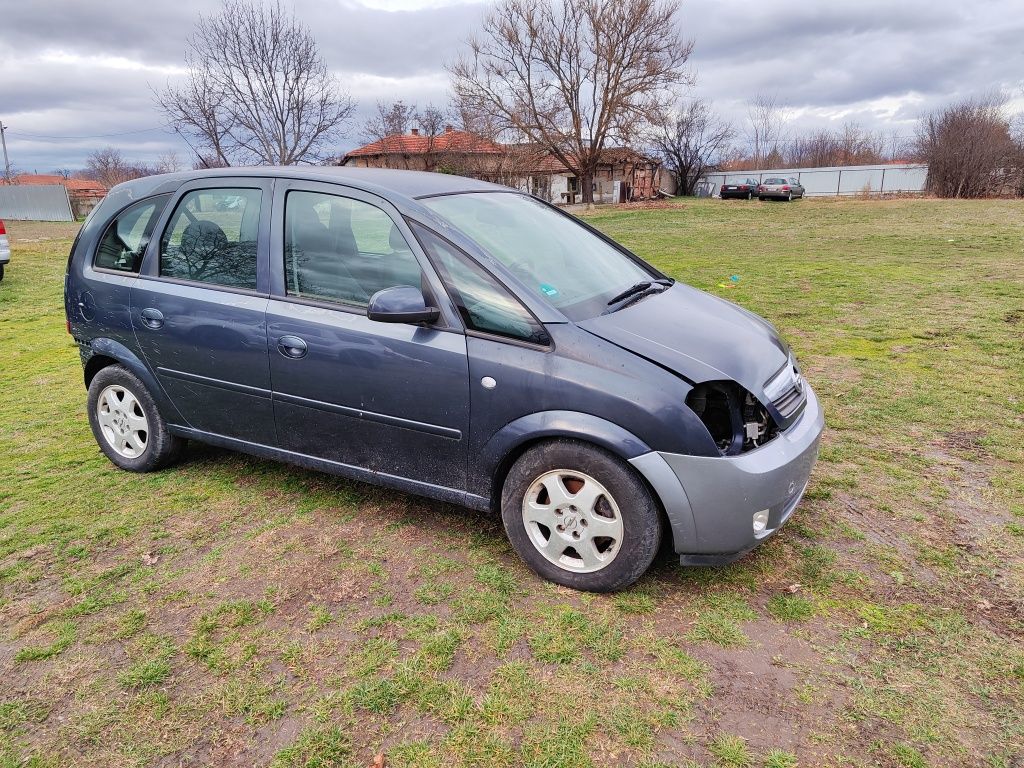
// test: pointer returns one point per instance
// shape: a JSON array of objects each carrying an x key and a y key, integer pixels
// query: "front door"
[
  {"x": 388, "y": 397},
  {"x": 199, "y": 309}
]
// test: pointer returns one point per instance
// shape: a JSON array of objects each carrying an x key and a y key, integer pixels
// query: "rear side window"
[
  {"x": 484, "y": 304},
  {"x": 212, "y": 238},
  {"x": 124, "y": 243}
]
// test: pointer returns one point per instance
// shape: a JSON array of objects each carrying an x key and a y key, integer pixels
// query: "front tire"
[
  {"x": 126, "y": 423},
  {"x": 580, "y": 517}
]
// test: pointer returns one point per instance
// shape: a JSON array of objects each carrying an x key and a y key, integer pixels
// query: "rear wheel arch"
[
  {"x": 106, "y": 352},
  {"x": 96, "y": 364}
]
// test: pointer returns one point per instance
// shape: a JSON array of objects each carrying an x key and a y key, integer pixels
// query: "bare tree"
[
  {"x": 765, "y": 119},
  {"x": 393, "y": 119},
  {"x": 397, "y": 118},
  {"x": 109, "y": 167},
  {"x": 168, "y": 162},
  {"x": 64, "y": 173},
  {"x": 573, "y": 76},
  {"x": 850, "y": 146},
  {"x": 257, "y": 90},
  {"x": 969, "y": 149},
  {"x": 691, "y": 139}
]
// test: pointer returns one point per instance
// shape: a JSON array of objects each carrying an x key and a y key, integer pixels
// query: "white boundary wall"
[{"x": 847, "y": 180}]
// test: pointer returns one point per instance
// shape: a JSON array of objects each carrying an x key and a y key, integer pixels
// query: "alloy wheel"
[
  {"x": 573, "y": 521},
  {"x": 122, "y": 421}
]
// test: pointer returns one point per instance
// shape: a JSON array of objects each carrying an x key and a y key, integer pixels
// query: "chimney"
[
  {"x": 448, "y": 129},
  {"x": 415, "y": 131}
]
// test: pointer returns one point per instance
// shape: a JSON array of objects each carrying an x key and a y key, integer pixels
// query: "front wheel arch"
[
  {"x": 646, "y": 524},
  {"x": 503, "y": 448}
]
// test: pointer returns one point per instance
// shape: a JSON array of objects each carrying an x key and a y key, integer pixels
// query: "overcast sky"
[{"x": 70, "y": 68}]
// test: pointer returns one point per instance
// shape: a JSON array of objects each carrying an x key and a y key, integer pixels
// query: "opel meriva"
[{"x": 445, "y": 337}]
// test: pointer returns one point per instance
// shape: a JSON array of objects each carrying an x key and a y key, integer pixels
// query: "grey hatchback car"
[{"x": 444, "y": 337}]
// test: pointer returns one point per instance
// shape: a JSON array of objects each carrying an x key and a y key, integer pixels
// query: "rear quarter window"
[{"x": 126, "y": 237}]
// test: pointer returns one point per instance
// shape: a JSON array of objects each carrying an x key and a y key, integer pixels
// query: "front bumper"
[{"x": 711, "y": 501}]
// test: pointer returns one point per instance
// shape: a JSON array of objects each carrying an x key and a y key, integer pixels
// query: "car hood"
[{"x": 697, "y": 335}]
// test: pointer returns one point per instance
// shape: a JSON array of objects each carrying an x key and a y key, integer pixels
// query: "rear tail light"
[
  {"x": 3, "y": 231},
  {"x": 785, "y": 188}
]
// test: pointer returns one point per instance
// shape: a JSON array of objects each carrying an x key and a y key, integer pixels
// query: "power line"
[{"x": 94, "y": 136}]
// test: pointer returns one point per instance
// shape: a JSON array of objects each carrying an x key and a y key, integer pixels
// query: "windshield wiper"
[
  {"x": 635, "y": 293},
  {"x": 639, "y": 288}
]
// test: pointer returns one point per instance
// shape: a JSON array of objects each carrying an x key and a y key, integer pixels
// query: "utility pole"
[{"x": 7, "y": 162}]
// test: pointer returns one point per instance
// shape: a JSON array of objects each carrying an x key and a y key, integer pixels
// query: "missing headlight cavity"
[{"x": 736, "y": 420}]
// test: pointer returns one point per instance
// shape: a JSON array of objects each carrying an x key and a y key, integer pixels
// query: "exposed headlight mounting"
[{"x": 736, "y": 420}]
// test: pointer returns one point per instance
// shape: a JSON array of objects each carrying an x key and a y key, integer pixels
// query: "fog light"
[{"x": 760, "y": 521}]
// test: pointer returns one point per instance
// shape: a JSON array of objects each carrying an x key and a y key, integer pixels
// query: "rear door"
[
  {"x": 387, "y": 397},
  {"x": 199, "y": 307}
]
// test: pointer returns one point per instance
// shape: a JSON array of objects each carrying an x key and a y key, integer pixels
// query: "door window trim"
[
  {"x": 151, "y": 261},
  {"x": 549, "y": 347},
  {"x": 449, "y": 320}
]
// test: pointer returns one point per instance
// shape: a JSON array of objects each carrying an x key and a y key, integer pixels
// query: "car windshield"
[
  {"x": 775, "y": 181},
  {"x": 562, "y": 261}
]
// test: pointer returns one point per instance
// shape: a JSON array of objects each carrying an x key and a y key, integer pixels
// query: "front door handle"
[
  {"x": 152, "y": 318},
  {"x": 292, "y": 346}
]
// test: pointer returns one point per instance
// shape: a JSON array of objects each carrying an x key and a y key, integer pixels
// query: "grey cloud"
[{"x": 813, "y": 56}]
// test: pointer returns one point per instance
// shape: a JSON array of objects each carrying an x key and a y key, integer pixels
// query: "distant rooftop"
[{"x": 81, "y": 186}]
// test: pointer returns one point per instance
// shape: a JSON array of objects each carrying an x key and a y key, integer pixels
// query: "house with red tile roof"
[{"x": 623, "y": 174}]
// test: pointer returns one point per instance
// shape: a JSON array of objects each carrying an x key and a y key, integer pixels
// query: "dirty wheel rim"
[
  {"x": 122, "y": 421},
  {"x": 573, "y": 521}
]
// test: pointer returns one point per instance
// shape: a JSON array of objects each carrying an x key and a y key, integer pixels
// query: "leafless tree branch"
[
  {"x": 572, "y": 76},
  {"x": 257, "y": 91}
]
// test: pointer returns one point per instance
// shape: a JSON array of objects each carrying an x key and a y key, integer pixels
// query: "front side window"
[
  {"x": 212, "y": 238},
  {"x": 124, "y": 243},
  {"x": 343, "y": 250},
  {"x": 484, "y": 304},
  {"x": 556, "y": 257}
]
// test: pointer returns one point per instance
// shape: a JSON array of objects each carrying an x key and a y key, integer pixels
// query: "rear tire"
[
  {"x": 1, "y": 272},
  {"x": 580, "y": 516},
  {"x": 749, "y": 195},
  {"x": 126, "y": 423},
  {"x": 789, "y": 198}
]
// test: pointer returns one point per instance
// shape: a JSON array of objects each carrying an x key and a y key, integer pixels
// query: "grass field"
[{"x": 232, "y": 611}]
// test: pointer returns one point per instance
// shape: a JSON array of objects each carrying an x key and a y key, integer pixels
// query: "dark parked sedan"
[
  {"x": 779, "y": 188},
  {"x": 444, "y": 337},
  {"x": 743, "y": 190}
]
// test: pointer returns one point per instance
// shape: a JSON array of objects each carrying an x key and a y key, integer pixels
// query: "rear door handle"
[
  {"x": 152, "y": 318},
  {"x": 292, "y": 346}
]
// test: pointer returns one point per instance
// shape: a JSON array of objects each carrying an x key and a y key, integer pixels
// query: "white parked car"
[{"x": 5, "y": 249}]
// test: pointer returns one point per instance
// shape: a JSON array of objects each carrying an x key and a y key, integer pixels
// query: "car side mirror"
[{"x": 401, "y": 304}]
